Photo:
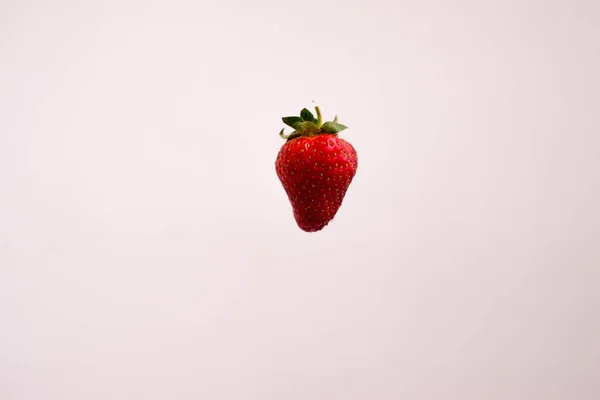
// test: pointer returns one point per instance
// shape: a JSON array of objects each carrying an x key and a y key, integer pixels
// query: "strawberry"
[{"x": 315, "y": 168}]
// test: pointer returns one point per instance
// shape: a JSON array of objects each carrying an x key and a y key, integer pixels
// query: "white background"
[{"x": 148, "y": 251}]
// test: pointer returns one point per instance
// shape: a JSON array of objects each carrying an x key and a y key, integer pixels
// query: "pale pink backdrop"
[{"x": 148, "y": 251}]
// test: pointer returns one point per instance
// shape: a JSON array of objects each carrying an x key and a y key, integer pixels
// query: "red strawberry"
[{"x": 315, "y": 168}]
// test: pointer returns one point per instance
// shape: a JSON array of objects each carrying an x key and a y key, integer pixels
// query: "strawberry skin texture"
[{"x": 315, "y": 172}]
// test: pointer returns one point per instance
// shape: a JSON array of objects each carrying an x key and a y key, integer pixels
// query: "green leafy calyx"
[{"x": 307, "y": 125}]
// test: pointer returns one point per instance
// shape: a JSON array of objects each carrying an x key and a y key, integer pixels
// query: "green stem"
[{"x": 319, "y": 116}]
